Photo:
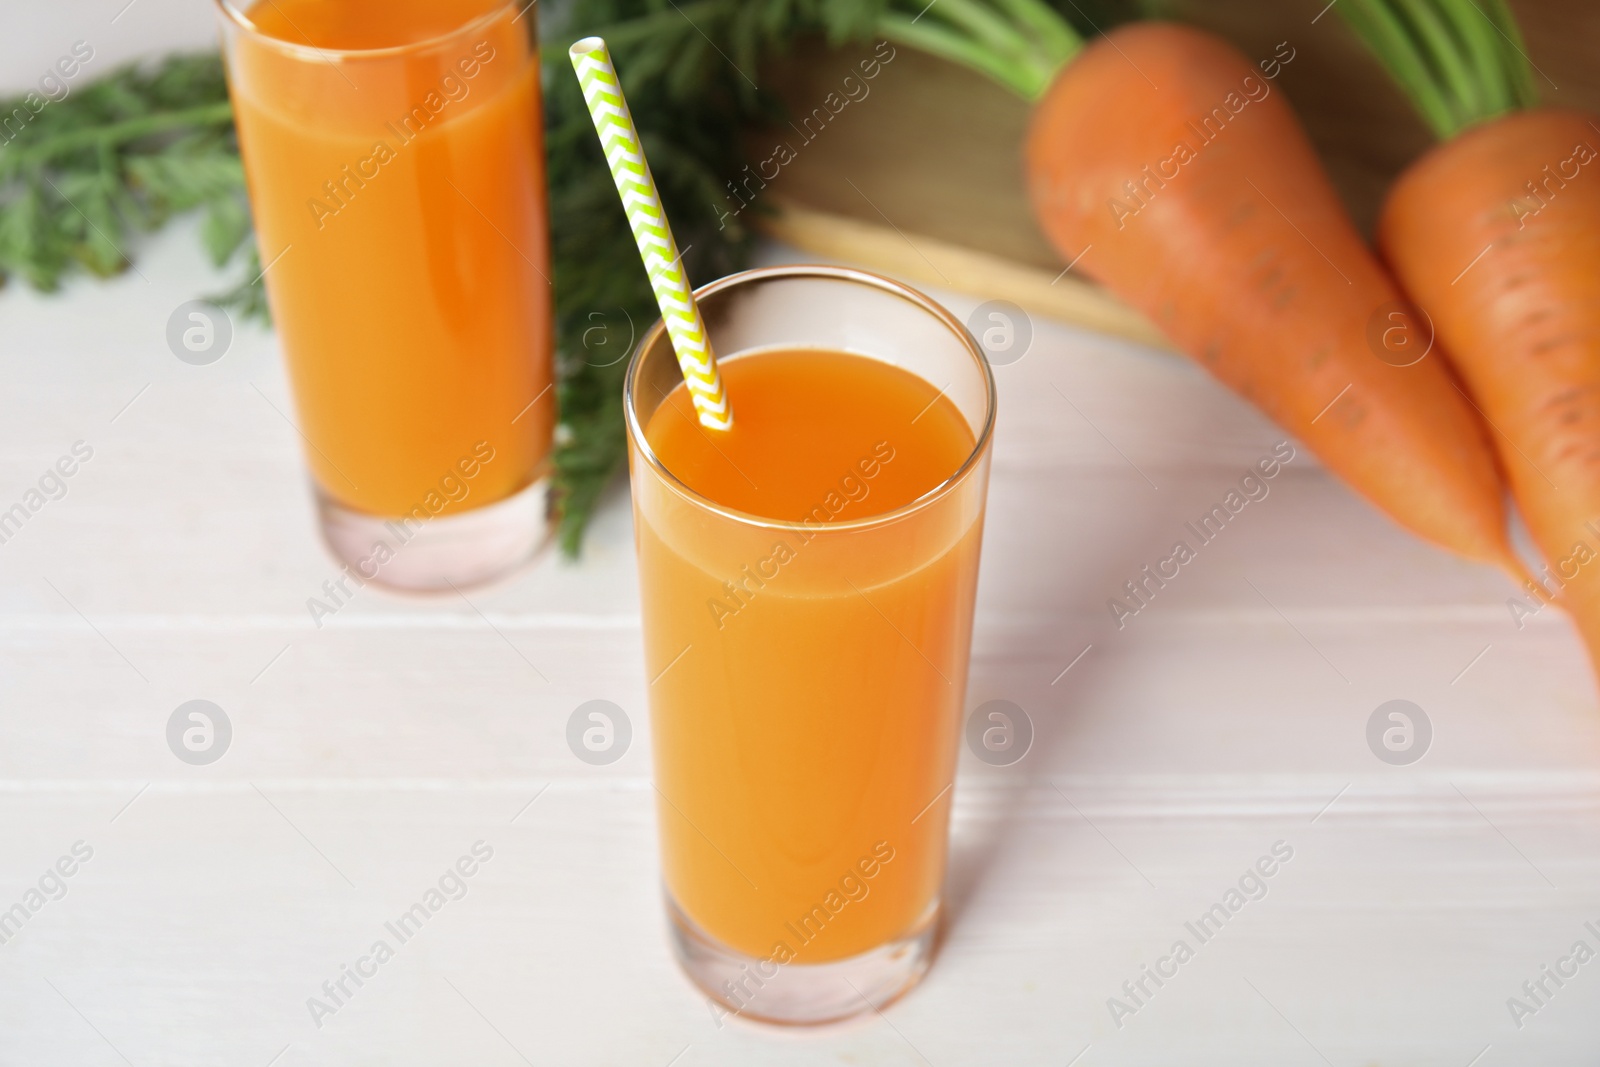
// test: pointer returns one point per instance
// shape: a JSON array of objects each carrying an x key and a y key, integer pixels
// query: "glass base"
[
  {"x": 457, "y": 550},
  {"x": 802, "y": 993}
]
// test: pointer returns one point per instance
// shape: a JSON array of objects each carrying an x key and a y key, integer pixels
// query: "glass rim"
[
  {"x": 957, "y": 478},
  {"x": 231, "y": 13}
]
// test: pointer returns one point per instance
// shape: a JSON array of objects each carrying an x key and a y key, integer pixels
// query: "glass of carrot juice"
[
  {"x": 394, "y": 155},
  {"x": 807, "y": 582}
]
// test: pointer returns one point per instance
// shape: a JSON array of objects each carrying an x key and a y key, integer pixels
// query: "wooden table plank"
[{"x": 380, "y": 747}]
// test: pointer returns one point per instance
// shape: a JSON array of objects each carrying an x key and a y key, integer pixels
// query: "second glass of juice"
[
  {"x": 394, "y": 155},
  {"x": 807, "y": 584}
]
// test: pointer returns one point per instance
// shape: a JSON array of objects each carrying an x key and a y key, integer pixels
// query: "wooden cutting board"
[{"x": 922, "y": 176}]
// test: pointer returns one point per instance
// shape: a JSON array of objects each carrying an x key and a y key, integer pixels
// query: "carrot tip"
[{"x": 1519, "y": 574}]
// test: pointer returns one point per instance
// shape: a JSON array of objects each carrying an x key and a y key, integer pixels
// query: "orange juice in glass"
[
  {"x": 394, "y": 155},
  {"x": 807, "y": 584}
]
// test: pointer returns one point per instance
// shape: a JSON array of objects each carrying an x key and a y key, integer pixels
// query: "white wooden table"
[{"x": 368, "y": 755}]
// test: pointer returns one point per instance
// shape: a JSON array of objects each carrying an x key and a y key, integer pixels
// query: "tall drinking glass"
[
  {"x": 394, "y": 154},
  {"x": 807, "y": 674}
]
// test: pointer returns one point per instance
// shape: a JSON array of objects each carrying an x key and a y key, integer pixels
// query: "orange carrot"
[
  {"x": 1511, "y": 277},
  {"x": 1496, "y": 235},
  {"x": 1168, "y": 167},
  {"x": 1165, "y": 159}
]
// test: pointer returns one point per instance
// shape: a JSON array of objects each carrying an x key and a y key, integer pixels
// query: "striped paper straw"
[{"x": 642, "y": 203}]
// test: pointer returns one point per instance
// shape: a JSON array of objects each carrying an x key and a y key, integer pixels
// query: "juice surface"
[
  {"x": 341, "y": 24},
  {"x": 804, "y": 420},
  {"x": 399, "y": 205},
  {"x": 808, "y": 683}
]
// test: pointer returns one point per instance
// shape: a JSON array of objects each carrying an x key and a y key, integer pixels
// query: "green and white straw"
[{"x": 642, "y": 203}]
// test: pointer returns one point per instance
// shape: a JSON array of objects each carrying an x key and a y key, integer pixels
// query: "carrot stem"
[
  {"x": 1514, "y": 55},
  {"x": 1054, "y": 31},
  {"x": 216, "y": 114},
  {"x": 947, "y": 44},
  {"x": 1437, "y": 37},
  {"x": 1021, "y": 44},
  {"x": 1390, "y": 41},
  {"x": 1486, "y": 53},
  {"x": 985, "y": 25},
  {"x": 1461, "y": 62}
]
